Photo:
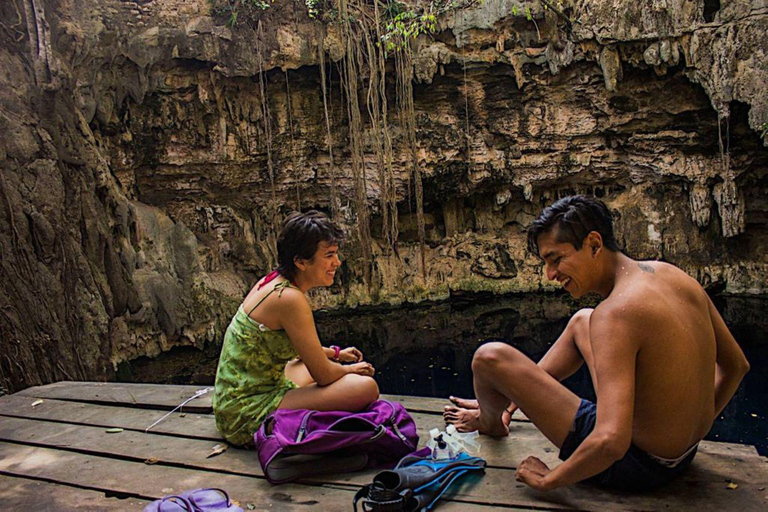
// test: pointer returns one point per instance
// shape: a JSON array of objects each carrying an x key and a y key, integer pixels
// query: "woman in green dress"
[{"x": 272, "y": 357}]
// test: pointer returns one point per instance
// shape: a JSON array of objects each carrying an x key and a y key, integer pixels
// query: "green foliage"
[
  {"x": 313, "y": 7},
  {"x": 400, "y": 21},
  {"x": 764, "y": 130},
  {"x": 404, "y": 24}
]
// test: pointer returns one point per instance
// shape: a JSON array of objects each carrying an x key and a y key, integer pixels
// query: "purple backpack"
[{"x": 300, "y": 443}]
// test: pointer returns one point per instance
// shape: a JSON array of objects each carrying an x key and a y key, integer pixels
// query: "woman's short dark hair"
[
  {"x": 574, "y": 217},
  {"x": 300, "y": 236}
]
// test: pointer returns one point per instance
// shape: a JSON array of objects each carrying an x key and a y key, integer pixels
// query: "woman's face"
[{"x": 321, "y": 269}]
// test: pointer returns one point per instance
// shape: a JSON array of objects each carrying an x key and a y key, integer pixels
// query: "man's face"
[
  {"x": 570, "y": 267},
  {"x": 321, "y": 269}
]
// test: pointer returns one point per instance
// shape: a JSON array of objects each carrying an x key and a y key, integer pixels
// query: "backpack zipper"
[
  {"x": 303, "y": 427},
  {"x": 391, "y": 421}
]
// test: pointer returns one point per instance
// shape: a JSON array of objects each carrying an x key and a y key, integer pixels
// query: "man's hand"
[
  {"x": 532, "y": 472},
  {"x": 350, "y": 355}
]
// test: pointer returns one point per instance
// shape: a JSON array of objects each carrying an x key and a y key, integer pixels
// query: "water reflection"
[{"x": 427, "y": 350}]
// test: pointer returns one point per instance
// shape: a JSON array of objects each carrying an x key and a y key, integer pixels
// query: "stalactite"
[
  {"x": 404, "y": 65},
  {"x": 466, "y": 117},
  {"x": 378, "y": 110},
  {"x": 267, "y": 135},
  {"x": 293, "y": 141},
  {"x": 331, "y": 164},
  {"x": 351, "y": 69}
]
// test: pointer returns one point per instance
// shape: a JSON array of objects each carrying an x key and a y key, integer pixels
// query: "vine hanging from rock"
[{"x": 372, "y": 32}]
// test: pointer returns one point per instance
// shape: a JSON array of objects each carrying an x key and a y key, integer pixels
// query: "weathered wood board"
[{"x": 59, "y": 451}]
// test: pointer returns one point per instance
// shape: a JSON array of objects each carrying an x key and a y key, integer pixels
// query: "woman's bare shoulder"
[{"x": 290, "y": 298}]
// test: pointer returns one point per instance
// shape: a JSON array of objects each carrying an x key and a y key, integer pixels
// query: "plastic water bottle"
[{"x": 440, "y": 448}]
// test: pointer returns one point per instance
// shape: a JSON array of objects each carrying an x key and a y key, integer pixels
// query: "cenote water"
[{"x": 426, "y": 350}]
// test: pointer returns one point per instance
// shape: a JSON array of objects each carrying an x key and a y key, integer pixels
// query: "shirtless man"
[{"x": 662, "y": 361}]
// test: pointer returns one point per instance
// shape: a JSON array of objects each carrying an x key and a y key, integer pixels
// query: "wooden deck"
[{"x": 59, "y": 455}]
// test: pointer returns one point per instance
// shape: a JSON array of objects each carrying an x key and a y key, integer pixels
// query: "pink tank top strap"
[
  {"x": 279, "y": 287},
  {"x": 269, "y": 277}
]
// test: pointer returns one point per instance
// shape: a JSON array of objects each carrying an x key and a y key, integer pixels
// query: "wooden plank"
[
  {"x": 24, "y": 494},
  {"x": 524, "y": 440},
  {"x": 165, "y": 396},
  {"x": 193, "y": 452},
  {"x": 712, "y": 470},
  {"x": 189, "y": 454},
  {"x": 149, "y": 396},
  {"x": 152, "y": 482},
  {"x": 434, "y": 405},
  {"x": 715, "y": 469},
  {"x": 197, "y": 425}
]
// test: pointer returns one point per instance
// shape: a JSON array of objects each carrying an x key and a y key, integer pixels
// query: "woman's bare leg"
[
  {"x": 296, "y": 371},
  {"x": 351, "y": 393}
]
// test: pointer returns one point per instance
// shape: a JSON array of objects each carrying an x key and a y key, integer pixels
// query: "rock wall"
[{"x": 137, "y": 177}]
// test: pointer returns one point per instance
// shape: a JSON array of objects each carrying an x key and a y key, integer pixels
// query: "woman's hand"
[
  {"x": 350, "y": 355},
  {"x": 361, "y": 369}
]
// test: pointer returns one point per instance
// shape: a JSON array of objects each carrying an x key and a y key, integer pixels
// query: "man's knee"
[{"x": 493, "y": 355}]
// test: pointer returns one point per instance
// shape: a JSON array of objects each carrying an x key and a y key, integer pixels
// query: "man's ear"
[{"x": 595, "y": 243}]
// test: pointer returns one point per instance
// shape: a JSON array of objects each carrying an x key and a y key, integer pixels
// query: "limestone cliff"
[{"x": 146, "y": 148}]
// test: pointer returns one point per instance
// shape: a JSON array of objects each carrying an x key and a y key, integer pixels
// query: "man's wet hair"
[
  {"x": 574, "y": 217},
  {"x": 300, "y": 236}
]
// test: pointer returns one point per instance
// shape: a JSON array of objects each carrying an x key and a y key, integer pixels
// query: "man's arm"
[
  {"x": 730, "y": 365},
  {"x": 614, "y": 348},
  {"x": 564, "y": 358}
]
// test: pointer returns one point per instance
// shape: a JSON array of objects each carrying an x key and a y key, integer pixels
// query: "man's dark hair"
[
  {"x": 300, "y": 236},
  {"x": 574, "y": 217}
]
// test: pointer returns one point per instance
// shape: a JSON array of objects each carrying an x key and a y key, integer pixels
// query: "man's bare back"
[{"x": 674, "y": 386}]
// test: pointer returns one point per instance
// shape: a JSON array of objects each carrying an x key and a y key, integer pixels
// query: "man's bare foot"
[
  {"x": 468, "y": 420},
  {"x": 464, "y": 403},
  {"x": 465, "y": 420}
]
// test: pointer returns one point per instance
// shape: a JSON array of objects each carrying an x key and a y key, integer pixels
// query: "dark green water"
[{"x": 426, "y": 350}]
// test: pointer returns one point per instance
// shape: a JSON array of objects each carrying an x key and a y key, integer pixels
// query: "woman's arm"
[{"x": 295, "y": 316}]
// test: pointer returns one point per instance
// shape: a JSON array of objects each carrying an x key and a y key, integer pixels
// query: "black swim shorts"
[{"x": 636, "y": 471}]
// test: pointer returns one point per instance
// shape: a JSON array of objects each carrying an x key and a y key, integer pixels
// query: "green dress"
[{"x": 250, "y": 379}]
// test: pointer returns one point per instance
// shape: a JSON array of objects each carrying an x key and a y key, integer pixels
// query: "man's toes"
[{"x": 465, "y": 403}]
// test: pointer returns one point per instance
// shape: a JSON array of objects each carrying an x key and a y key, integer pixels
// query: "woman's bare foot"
[
  {"x": 468, "y": 420},
  {"x": 464, "y": 403}
]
